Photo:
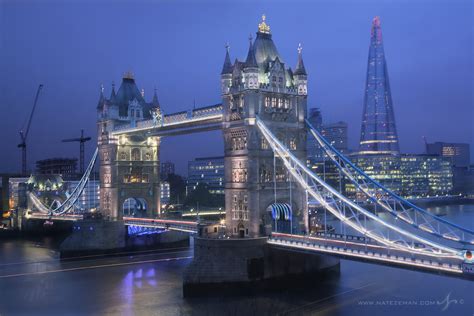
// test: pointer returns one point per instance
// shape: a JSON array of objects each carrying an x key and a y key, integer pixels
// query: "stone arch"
[{"x": 134, "y": 207}]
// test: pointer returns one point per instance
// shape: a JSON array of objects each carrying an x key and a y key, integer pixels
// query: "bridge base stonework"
[
  {"x": 94, "y": 236},
  {"x": 249, "y": 263}
]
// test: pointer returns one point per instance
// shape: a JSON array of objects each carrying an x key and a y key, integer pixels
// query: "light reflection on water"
[{"x": 156, "y": 289}]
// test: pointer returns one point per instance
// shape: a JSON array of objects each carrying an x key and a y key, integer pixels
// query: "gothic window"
[
  {"x": 241, "y": 104},
  {"x": 107, "y": 178},
  {"x": 263, "y": 143},
  {"x": 274, "y": 102},
  {"x": 123, "y": 156},
  {"x": 267, "y": 102},
  {"x": 147, "y": 156},
  {"x": 280, "y": 174},
  {"x": 132, "y": 112},
  {"x": 138, "y": 113},
  {"x": 126, "y": 178},
  {"x": 106, "y": 156},
  {"x": 239, "y": 143},
  {"x": 287, "y": 104},
  {"x": 280, "y": 103},
  {"x": 293, "y": 143},
  {"x": 135, "y": 154},
  {"x": 239, "y": 173}
]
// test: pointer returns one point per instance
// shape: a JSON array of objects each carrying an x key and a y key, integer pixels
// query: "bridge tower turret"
[
  {"x": 262, "y": 86},
  {"x": 129, "y": 164}
]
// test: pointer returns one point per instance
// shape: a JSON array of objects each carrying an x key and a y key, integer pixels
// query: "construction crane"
[
  {"x": 24, "y": 133},
  {"x": 81, "y": 141}
]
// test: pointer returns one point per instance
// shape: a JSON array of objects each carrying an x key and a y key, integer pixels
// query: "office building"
[
  {"x": 458, "y": 153},
  {"x": 208, "y": 171},
  {"x": 425, "y": 176},
  {"x": 336, "y": 134},
  {"x": 166, "y": 169},
  {"x": 378, "y": 132},
  {"x": 165, "y": 193},
  {"x": 65, "y": 167}
]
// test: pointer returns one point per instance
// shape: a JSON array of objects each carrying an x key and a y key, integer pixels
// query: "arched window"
[{"x": 135, "y": 154}]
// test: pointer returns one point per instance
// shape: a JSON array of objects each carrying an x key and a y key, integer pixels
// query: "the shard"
[{"x": 378, "y": 132}]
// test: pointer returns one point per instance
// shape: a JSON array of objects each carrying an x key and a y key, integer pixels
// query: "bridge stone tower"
[
  {"x": 129, "y": 164},
  {"x": 262, "y": 86}
]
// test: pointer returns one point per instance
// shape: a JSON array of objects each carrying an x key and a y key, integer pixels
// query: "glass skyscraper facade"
[
  {"x": 208, "y": 171},
  {"x": 411, "y": 176},
  {"x": 378, "y": 132}
]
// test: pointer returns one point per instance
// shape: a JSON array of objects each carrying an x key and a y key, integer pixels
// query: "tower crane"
[
  {"x": 24, "y": 133},
  {"x": 81, "y": 141}
]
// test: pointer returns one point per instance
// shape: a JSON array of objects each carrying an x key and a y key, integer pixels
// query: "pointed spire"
[
  {"x": 300, "y": 70},
  {"x": 376, "y": 30},
  {"x": 251, "y": 62},
  {"x": 112, "y": 94},
  {"x": 378, "y": 132},
  {"x": 154, "y": 101},
  {"x": 227, "y": 68},
  {"x": 101, "y": 97}
]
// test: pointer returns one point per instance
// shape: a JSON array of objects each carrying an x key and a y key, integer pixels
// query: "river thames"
[{"x": 33, "y": 281}]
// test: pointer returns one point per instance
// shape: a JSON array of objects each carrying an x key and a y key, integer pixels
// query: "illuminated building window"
[
  {"x": 293, "y": 143},
  {"x": 267, "y": 102}
]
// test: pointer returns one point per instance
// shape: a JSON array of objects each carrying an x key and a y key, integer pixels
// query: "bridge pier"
[
  {"x": 94, "y": 236},
  {"x": 249, "y": 264}
]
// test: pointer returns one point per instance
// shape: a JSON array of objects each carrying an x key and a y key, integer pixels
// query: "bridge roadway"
[
  {"x": 362, "y": 249},
  {"x": 349, "y": 247},
  {"x": 183, "y": 226}
]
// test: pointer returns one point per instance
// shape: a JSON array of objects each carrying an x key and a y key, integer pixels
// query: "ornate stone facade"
[
  {"x": 261, "y": 86},
  {"x": 129, "y": 164}
]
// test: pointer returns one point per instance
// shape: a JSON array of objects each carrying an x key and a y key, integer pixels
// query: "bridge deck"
[
  {"x": 358, "y": 249},
  {"x": 201, "y": 119}
]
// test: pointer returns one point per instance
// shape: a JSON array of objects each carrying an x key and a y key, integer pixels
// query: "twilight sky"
[{"x": 178, "y": 46}]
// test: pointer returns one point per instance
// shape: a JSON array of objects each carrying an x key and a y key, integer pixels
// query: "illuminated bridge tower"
[
  {"x": 129, "y": 165},
  {"x": 262, "y": 86},
  {"x": 378, "y": 132}
]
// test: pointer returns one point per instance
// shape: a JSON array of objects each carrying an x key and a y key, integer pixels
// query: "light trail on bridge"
[{"x": 104, "y": 265}]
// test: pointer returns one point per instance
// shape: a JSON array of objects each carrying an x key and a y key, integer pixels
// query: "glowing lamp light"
[{"x": 468, "y": 256}]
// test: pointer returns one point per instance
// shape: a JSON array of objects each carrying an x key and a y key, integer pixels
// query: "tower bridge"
[{"x": 267, "y": 183}]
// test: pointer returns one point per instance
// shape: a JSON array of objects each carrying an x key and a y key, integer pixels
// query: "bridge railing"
[
  {"x": 374, "y": 254},
  {"x": 185, "y": 226},
  {"x": 174, "y": 118}
]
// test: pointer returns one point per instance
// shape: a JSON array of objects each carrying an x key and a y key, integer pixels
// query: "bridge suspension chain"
[
  {"x": 71, "y": 200},
  {"x": 396, "y": 206},
  {"x": 350, "y": 213}
]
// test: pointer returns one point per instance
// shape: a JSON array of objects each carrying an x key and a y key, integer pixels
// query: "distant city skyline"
[{"x": 73, "y": 48}]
